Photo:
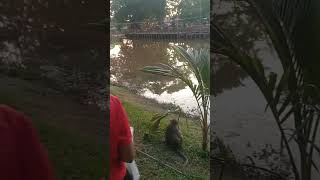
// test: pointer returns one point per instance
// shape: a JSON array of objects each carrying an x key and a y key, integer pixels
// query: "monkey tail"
[{"x": 184, "y": 157}]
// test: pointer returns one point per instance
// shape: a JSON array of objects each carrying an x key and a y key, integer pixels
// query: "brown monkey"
[
  {"x": 173, "y": 135},
  {"x": 174, "y": 138}
]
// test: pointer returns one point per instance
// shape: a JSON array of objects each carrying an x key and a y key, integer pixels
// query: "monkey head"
[{"x": 174, "y": 122}]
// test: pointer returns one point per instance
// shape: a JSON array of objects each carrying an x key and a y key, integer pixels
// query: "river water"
[{"x": 128, "y": 57}]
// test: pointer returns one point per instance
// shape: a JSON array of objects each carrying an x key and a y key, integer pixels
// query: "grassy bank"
[
  {"x": 140, "y": 112},
  {"x": 73, "y": 156},
  {"x": 73, "y": 134}
]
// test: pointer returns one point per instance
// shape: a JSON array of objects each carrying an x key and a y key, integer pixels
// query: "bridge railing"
[{"x": 177, "y": 26}]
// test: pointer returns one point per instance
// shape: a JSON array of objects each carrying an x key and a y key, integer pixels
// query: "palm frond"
[{"x": 199, "y": 64}]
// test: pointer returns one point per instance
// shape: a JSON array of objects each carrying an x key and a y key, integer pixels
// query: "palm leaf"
[
  {"x": 199, "y": 64},
  {"x": 314, "y": 165}
]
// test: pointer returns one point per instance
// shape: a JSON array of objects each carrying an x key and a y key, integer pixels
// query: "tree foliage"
[
  {"x": 134, "y": 11},
  {"x": 194, "y": 9}
]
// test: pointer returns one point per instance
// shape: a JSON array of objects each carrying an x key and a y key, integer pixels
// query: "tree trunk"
[{"x": 205, "y": 137}]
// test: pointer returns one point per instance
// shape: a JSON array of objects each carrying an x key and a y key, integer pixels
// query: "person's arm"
[
  {"x": 126, "y": 145},
  {"x": 127, "y": 153}
]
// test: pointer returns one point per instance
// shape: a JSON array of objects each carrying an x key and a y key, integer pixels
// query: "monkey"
[
  {"x": 173, "y": 135},
  {"x": 173, "y": 138}
]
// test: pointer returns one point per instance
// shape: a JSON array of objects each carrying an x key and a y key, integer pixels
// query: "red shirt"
[
  {"x": 120, "y": 135},
  {"x": 22, "y": 156}
]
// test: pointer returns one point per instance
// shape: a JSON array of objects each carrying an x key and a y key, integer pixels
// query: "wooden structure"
[{"x": 169, "y": 35}]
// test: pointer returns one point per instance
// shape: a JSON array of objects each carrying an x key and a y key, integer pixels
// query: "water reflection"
[
  {"x": 226, "y": 75},
  {"x": 240, "y": 107},
  {"x": 128, "y": 57}
]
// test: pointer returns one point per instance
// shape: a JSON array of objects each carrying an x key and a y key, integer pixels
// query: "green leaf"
[
  {"x": 281, "y": 85},
  {"x": 285, "y": 104},
  {"x": 271, "y": 87},
  {"x": 315, "y": 166},
  {"x": 286, "y": 116}
]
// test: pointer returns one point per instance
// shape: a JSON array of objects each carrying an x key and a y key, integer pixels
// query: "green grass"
[
  {"x": 198, "y": 166},
  {"x": 72, "y": 156},
  {"x": 8, "y": 98}
]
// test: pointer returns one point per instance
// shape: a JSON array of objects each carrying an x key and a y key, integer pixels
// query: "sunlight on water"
[{"x": 183, "y": 98}]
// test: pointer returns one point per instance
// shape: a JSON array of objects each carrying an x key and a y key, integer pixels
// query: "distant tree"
[
  {"x": 194, "y": 10},
  {"x": 137, "y": 11}
]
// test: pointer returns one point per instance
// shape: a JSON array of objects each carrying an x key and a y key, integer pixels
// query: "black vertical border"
[
  {"x": 211, "y": 91},
  {"x": 107, "y": 86}
]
